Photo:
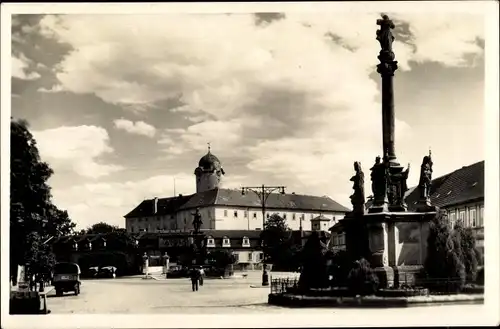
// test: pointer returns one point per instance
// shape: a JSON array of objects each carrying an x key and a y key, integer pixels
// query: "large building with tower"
[{"x": 230, "y": 209}]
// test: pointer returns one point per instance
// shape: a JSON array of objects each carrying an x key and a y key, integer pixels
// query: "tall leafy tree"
[
  {"x": 102, "y": 227},
  {"x": 444, "y": 267},
  {"x": 31, "y": 208},
  {"x": 314, "y": 270},
  {"x": 275, "y": 235}
]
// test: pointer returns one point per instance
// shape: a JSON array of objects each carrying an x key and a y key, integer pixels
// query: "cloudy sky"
[{"x": 122, "y": 104}]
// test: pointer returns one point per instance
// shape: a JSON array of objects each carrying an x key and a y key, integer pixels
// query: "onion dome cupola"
[{"x": 209, "y": 172}]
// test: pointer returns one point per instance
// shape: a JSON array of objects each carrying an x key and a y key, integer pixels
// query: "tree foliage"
[
  {"x": 275, "y": 237},
  {"x": 314, "y": 269},
  {"x": 221, "y": 258},
  {"x": 362, "y": 280},
  {"x": 33, "y": 217},
  {"x": 444, "y": 266},
  {"x": 102, "y": 227}
]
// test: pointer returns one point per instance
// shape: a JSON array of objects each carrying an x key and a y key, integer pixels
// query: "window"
[
  {"x": 210, "y": 242},
  {"x": 225, "y": 213},
  {"x": 226, "y": 242},
  {"x": 245, "y": 214},
  {"x": 335, "y": 240},
  {"x": 472, "y": 217},
  {"x": 342, "y": 239},
  {"x": 312, "y": 216},
  {"x": 246, "y": 242},
  {"x": 293, "y": 216},
  {"x": 132, "y": 229},
  {"x": 250, "y": 256},
  {"x": 267, "y": 216},
  {"x": 284, "y": 216},
  {"x": 254, "y": 215},
  {"x": 481, "y": 210},
  {"x": 139, "y": 220},
  {"x": 461, "y": 217},
  {"x": 261, "y": 255},
  {"x": 236, "y": 213}
]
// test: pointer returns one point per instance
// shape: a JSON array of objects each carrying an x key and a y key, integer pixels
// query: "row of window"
[
  {"x": 472, "y": 220},
  {"x": 254, "y": 215},
  {"x": 226, "y": 242}
]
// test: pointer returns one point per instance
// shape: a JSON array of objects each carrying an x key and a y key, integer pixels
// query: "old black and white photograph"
[{"x": 250, "y": 164}]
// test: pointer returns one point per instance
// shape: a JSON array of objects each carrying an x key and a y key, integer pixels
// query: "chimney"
[
  {"x": 180, "y": 195},
  {"x": 155, "y": 205}
]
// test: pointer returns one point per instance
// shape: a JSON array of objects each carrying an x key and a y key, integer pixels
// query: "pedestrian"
[
  {"x": 195, "y": 277},
  {"x": 202, "y": 274}
]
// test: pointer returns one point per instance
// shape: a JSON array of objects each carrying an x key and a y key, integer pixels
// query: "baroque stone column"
[{"x": 386, "y": 69}]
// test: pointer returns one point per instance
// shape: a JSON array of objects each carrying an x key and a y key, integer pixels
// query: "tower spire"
[{"x": 208, "y": 147}]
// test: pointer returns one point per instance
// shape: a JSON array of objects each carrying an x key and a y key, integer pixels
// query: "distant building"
[
  {"x": 229, "y": 209},
  {"x": 460, "y": 193}
]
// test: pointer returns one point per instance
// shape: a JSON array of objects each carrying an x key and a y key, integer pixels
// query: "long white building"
[{"x": 229, "y": 209}]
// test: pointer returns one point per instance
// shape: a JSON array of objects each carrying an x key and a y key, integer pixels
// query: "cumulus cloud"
[
  {"x": 53, "y": 89},
  {"x": 90, "y": 203},
  {"x": 137, "y": 128},
  {"x": 20, "y": 68},
  {"x": 294, "y": 96},
  {"x": 77, "y": 149}
]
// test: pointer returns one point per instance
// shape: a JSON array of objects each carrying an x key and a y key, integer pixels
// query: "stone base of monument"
[{"x": 396, "y": 276}]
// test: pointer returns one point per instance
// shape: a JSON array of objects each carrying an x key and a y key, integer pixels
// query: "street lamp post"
[{"x": 263, "y": 192}]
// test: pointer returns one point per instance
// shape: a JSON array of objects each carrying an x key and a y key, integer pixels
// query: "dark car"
[
  {"x": 92, "y": 272},
  {"x": 66, "y": 278},
  {"x": 107, "y": 272},
  {"x": 178, "y": 272}
]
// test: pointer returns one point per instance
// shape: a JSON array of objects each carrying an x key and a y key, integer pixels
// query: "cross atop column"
[{"x": 208, "y": 146}]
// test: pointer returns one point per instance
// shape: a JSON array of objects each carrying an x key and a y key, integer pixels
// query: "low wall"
[{"x": 290, "y": 300}]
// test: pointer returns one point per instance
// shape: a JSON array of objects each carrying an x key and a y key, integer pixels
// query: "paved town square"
[{"x": 227, "y": 296}]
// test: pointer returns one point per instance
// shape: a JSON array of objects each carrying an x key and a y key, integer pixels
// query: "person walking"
[
  {"x": 202, "y": 274},
  {"x": 195, "y": 277}
]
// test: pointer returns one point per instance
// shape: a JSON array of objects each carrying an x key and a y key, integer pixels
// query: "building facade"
[{"x": 229, "y": 209}]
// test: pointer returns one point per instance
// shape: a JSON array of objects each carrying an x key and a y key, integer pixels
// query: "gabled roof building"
[{"x": 228, "y": 209}]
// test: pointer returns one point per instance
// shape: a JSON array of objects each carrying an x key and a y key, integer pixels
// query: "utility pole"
[{"x": 263, "y": 192}]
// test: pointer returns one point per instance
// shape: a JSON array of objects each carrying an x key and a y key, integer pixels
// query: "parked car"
[
  {"x": 107, "y": 272},
  {"x": 92, "y": 272},
  {"x": 178, "y": 272},
  {"x": 66, "y": 278}
]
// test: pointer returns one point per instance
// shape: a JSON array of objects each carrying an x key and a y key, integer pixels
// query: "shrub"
[
  {"x": 339, "y": 268},
  {"x": 444, "y": 266},
  {"x": 362, "y": 280},
  {"x": 313, "y": 274}
]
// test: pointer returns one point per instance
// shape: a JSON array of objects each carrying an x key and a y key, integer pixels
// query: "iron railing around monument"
[{"x": 282, "y": 285}]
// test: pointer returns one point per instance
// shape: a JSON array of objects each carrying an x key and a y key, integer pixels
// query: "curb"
[{"x": 289, "y": 300}]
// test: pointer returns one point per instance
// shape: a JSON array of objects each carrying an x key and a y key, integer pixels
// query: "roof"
[
  {"x": 460, "y": 186},
  {"x": 320, "y": 218},
  {"x": 234, "y": 198},
  {"x": 209, "y": 161}
]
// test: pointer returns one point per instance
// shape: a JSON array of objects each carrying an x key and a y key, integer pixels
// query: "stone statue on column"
[
  {"x": 197, "y": 222},
  {"x": 425, "y": 183},
  {"x": 379, "y": 184},
  {"x": 358, "y": 197}
]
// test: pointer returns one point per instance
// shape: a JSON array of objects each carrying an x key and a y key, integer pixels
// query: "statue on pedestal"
[
  {"x": 425, "y": 181},
  {"x": 358, "y": 198},
  {"x": 385, "y": 37},
  {"x": 404, "y": 185},
  {"x": 378, "y": 176},
  {"x": 197, "y": 222}
]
